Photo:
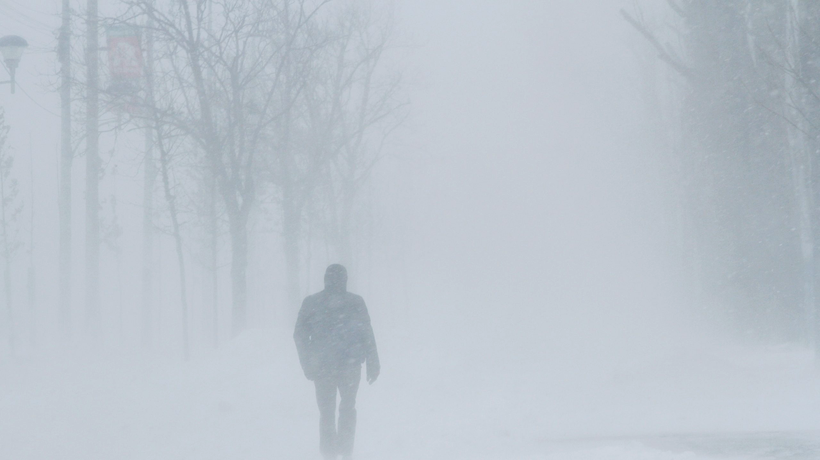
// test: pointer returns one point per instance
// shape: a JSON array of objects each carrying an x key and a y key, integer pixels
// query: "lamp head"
[{"x": 12, "y": 47}]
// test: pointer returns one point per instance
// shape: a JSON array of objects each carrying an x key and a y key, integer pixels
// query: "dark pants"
[{"x": 333, "y": 442}]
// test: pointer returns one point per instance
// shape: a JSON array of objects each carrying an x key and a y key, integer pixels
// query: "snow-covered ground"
[{"x": 250, "y": 401}]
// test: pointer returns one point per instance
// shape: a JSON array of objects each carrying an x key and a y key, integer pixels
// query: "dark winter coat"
[{"x": 333, "y": 331}]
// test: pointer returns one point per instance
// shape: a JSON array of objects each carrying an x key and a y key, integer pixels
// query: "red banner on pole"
[{"x": 124, "y": 52}]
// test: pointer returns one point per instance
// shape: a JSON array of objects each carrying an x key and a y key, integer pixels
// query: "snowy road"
[
  {"x": 786, "y": 446},
  {"x": 251, "y": 402},
  {"x": 737, "y": 446}
]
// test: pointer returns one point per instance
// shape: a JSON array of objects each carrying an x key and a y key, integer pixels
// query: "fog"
[{"x": 569, "y": 247}]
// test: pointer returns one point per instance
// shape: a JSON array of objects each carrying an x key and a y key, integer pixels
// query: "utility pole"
[
  {"x": 148, "y": 192},
  {"x": 66, "y": 160},
  {"x": 31, "y": 279},
  {"x": 92, "y": 236}
]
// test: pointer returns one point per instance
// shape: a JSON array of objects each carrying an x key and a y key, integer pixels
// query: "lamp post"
[{"x": 12, "y": 47}]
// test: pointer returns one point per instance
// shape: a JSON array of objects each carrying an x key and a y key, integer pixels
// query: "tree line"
[
  {"x": 736, "y": 96},
  {"x": 250, "y": 113}
]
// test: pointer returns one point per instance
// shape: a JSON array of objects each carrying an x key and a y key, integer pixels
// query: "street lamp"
[{"x": 12, "y": 47}]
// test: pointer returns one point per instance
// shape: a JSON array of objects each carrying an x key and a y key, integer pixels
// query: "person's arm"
[
  {"x": 301, "y": 335},
  {"x": 371, "y": 351}
]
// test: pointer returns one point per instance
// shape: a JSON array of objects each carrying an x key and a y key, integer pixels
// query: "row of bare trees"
[
  {"x": 739, "y": 94},
  {"x": 251, "y": 111}
]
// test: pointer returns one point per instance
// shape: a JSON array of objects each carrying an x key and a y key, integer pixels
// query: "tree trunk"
[
  {"x": 31, "y": 273},
  {"x": 9, "y": 309},
  {"x": 4, "y": 223},
  {"x": 32, "y": 310},
  {"x": 291, "y": 226},
  {"x": 66, "y": 160},
  {"x": 345, "y": 249},
  {"x": 171, "y": 200},
  {"x": 148, "y": 198},
  {"x": 92, "y": 240},
  {"x": 213, "y": 236},
  {"x": 148, "y": 240},
  {"x": 803, "y": 195},
  {"x": 183, "y": 290},
  {"x": 799, "y": 161},
  {"x": 239, "y": 268},
  {"x": 291, "y": 209}
]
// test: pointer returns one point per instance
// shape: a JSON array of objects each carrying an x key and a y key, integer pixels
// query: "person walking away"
[{"x": 334, "y": 337}]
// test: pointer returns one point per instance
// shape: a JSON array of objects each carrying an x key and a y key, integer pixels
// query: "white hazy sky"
[{"x": 535, "y": 193}]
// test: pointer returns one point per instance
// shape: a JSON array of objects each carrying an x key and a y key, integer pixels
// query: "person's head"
[{"x": 336, "y": 278}]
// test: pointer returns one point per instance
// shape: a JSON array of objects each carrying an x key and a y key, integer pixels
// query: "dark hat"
[{"x": 336, "y": 278}]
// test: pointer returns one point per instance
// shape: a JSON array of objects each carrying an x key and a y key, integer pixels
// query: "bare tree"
[
  {"x": 163, "y": 139},
  {"x": 10, "y": 209},
  {"x": 220, "y": 76},
  {"x": 341, "y": 103},
  {"x": 66, "y": 161},
  {"x": 149, "y": 178},
  {"x": 92, "y": 139},
  {"x": 743, "y": 175},
  {"x": 368, "y": 99}
]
